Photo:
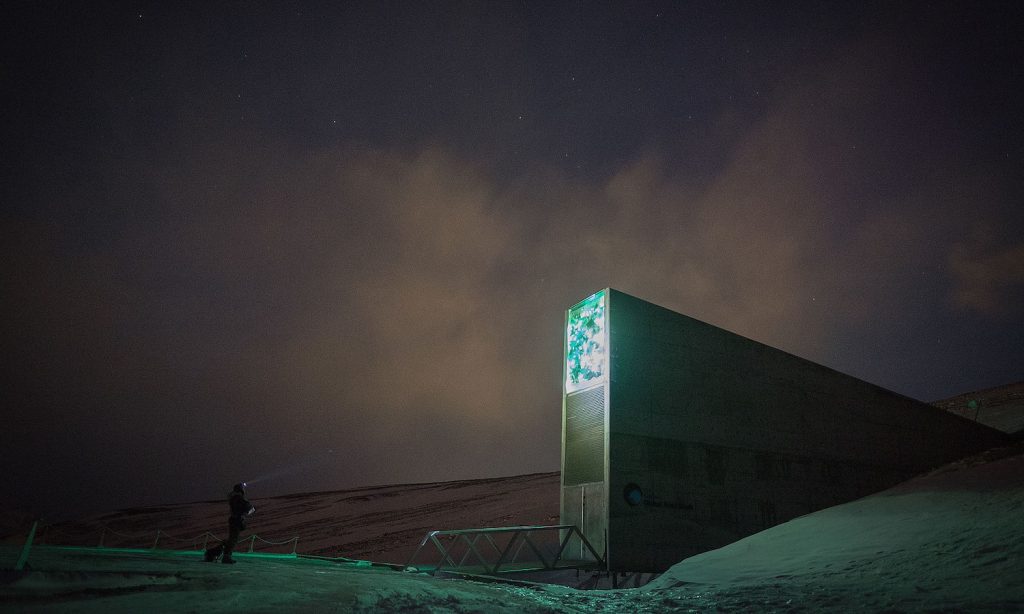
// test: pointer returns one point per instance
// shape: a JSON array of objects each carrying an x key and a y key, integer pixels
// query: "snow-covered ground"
[{"x": 952, "y": 540}]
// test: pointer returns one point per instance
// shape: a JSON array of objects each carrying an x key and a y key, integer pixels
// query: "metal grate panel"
[{"x": 584, "y": 437}]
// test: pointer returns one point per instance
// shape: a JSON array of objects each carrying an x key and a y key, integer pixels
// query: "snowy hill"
[
  {"x": 1001, "y": 407},
  {"x": 950, "y": 539}
]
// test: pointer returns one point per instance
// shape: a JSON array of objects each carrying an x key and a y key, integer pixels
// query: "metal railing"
[{"x": 478, "y": 542}]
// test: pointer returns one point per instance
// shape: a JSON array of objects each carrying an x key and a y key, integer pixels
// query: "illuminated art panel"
[{"x": 586, "y": 337}]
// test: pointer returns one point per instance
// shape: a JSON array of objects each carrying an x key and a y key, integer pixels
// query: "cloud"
[
  {"x": 987, "y": 277},
  {"x": 410, "y": 304}
]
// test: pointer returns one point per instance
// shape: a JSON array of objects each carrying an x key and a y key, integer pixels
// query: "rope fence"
[
  {"x": 293, "y": 541},
  {"x": 53, "y": 536}
]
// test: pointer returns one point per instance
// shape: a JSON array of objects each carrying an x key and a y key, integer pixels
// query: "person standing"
[{"x": 240, "y": 508}]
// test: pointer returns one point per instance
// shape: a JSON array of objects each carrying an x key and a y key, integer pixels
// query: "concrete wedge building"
[{"x": 679, "y": 437}]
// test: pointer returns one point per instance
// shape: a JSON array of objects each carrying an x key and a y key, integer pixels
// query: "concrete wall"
[{"x": 726, "y": 436}]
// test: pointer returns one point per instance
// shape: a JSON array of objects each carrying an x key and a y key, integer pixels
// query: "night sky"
[{"x": 331, "y": 245}]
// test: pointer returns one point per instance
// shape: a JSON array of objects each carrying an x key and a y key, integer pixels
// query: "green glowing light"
[{"x": 586, "y": 358}]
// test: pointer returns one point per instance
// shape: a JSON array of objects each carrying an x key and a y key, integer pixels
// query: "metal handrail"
[{"x": 508, "y": 555}]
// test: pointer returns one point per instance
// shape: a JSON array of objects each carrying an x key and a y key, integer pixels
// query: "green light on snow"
[{"x": 586, "y": 356}]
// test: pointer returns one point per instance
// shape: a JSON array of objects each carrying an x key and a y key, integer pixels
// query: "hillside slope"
[
  {"x": 1001, "y": 407},
  {"x": 951, "y": 539},
  {"x": 383, "y": 523}
]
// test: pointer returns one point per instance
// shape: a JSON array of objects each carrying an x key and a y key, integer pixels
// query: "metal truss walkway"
[{"x": 504, "y": 550}]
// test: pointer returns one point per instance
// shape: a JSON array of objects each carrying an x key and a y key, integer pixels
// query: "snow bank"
[{"x": 953, "y": 538}]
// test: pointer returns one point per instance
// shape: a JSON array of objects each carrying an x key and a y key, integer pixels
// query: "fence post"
[
  {"x": 23, "y": 559},
  {"x": 252, "y": 542},
  {"x": 295, "y": 544},
  {"x": 103, "y": 533},
  {"x": 157, "y": 540}
]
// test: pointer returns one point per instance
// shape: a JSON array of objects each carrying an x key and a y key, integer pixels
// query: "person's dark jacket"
[{"x": 240, "y": 507}]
